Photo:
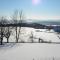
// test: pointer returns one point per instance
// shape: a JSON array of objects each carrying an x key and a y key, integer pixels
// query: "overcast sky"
[{"x": 33, "y": 9}]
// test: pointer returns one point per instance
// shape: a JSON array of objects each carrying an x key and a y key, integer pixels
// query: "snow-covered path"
[{"x": 29, "y": 51}]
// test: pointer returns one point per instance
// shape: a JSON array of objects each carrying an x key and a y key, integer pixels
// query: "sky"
[{"x": 32, "y": 9}]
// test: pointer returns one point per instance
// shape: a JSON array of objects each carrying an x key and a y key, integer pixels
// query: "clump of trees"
[{"x": 6, "y": 31}]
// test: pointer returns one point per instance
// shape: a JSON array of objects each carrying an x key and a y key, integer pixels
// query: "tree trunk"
[
  {"x": 39, "y": 40},
  {"x": 1, "y": 40},
  {"x": 7, "y": 40},
  {"x": 8, "y": 36},
  {"x": 19, "y": 32},
  {"x": 16, "y": 35},
  {"x": 1, "y": 35}
]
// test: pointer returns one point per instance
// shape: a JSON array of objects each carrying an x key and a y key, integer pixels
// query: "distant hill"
[{"x": 44, "y": 22}]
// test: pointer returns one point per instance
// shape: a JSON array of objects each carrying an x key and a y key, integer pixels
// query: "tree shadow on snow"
[{"x": 8, "y": 45}]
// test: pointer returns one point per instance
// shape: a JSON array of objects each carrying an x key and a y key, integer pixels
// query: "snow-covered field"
[
  {"x": 31, "y": 51},
  {"x": 28, "y": 51},
  {"x": 47, "y": 35},
  {"x": 44, "y": 34}
]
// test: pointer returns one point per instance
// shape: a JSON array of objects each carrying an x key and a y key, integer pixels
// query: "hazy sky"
[{"x": 33, "y": 9}]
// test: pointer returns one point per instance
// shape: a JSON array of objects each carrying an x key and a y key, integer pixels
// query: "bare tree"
[
  {"x": 7, "y": 34},
  {"x": 15, "y": 17},
  {"x": 31, "y": 37},
  {"x": 1, "y": 37},
  {"x": 20, "y": 21},
  {"x": 4, "y": 30},
  {"x": 18, "y": 16},
  {"x": 2, "y": 21}
]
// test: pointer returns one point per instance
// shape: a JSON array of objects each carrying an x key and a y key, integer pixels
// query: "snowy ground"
[
  {"x": 30, "y": 51},
  {"x": 47, "y": 35},
  {"x": 44, "y": 34}
]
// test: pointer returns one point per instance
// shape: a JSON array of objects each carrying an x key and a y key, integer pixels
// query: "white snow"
[
  {"x": 44, "y": 34},
  {"x": 47, "y": 35},
  {"x": 28, "y": 51}
]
